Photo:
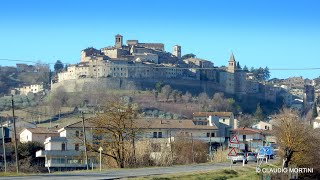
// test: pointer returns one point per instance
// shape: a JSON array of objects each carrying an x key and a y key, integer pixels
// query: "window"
[
  {"x": 160, "y": 135},
  {"x": 212, "y": 134},
  {"x": 63, "y": 146},
  {"x": 208, "y": 134},
  {"x": 79, "y": 133},
  {"x": 154, "y": 134},
  {"x": 244, "y": 137},
  {"x": 76, "y": 147},
  {"x": 265, "y": 127}
]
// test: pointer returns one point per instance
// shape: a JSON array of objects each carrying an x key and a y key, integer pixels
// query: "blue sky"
[{"x": 273, "y": 33}]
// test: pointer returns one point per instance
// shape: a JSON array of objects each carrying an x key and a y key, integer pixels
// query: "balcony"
[
  {"x": 43, "y": 153},
  {"x": 213, "y": 139}
]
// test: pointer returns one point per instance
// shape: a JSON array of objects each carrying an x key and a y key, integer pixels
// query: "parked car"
[
  {"x": 251, "y": 156},
  {"x": 239, "y": 158}
]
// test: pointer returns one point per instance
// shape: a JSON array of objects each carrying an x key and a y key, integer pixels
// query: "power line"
[{"x": 171, "y": 67}]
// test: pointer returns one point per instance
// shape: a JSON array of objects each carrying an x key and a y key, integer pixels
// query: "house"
[
  {"x": 251, "y": 138},
  {"x": 65, "y": 151},
  {"x": 5, "y": 133},
  {"x": 224, "y": 121},
  {"x": 59, "y": 156},
  {"x": 38, "y": 134},
  {"x": 262, "y": 126},
  {"x": 33, "y": 88}
]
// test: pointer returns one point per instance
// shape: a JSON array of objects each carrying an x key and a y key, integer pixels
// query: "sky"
[{"x": 273, "y": 33}]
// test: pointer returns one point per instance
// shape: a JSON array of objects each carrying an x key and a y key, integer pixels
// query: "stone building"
[
  {"x": 33, "y": 88},
  {"x": 177, "y": 51}
]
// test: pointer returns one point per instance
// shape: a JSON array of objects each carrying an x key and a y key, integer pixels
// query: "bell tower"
[
  {"x": 118, "y": 41},
  {"x": 232, "y": 64},
  {"x": 177, "y": 51}
]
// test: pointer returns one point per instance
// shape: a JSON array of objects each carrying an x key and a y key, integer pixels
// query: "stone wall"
[{"x": 193, "y": 86}]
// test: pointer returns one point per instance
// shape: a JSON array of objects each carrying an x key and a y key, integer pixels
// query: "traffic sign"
[
  {"x": 268, "y": 150},
  {"x": 234, "y": 139},
  {"x": 261, "y": 151},
  {"x": 242, "y": 146},
  {"x": 234, "y": 145},
  {"x": 232, "y": 152}
]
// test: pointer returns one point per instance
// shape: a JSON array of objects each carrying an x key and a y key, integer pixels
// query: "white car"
[{"x": 239, "y": 158}]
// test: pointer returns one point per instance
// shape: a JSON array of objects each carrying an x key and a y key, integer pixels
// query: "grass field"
[{"x": 248, "y": 173}]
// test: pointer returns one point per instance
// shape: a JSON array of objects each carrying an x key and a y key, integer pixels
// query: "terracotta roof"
[
  {"x": 172, "y": 124},
  {"x": 206, "y": 114},
  {"x": 245, "y": 130},
  {"x": 154, "y": 124},
  {"x": 42, "y": 130}
]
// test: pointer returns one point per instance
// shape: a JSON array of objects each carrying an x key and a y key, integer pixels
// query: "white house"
[
  {"x": 262, "y": 126},
  {"x": 65, "y": 151},
  {"x": 38, "y": 134},
  {"x": 59, "y": 156}
]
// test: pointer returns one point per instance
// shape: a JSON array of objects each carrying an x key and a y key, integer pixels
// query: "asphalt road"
[{"x": 127, "y": 173}]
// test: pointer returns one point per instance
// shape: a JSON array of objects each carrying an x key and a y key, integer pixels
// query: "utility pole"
[
  {"x": 85, "y": 141},
  {"x": 210, "y": 146},
  {"x": 15, "y": 135},
  {"x": 4, "y": 149},
  {"x": 192, "y": 148}
]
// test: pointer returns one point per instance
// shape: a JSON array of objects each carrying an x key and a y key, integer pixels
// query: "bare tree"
[
  {"x": 220, "y": 103},
  {"x": 296, "y": 140},
  {"x": 166, "y": 90},
  {"x": 188, "y": 97},
  {"x": 175, "y": 94},
  {"x": 203, "y": 99},
  {"x": 116, "y": 131},
  {"x": 187, "y": 150},
  {"x": 245, "y": 120},
  {"x": 58, "y": 99}
]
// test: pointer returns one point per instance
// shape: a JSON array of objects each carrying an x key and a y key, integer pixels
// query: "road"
[{"x": 127, "y": 173}]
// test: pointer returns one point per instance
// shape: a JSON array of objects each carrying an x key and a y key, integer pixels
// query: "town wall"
[{"x": 193, "y": 86}]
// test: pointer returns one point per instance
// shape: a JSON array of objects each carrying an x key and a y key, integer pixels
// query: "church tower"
[
  {"x": 232, "y": 64},
  {"x": 177, "y": 51},
  {"x": 118, "y": 41}
]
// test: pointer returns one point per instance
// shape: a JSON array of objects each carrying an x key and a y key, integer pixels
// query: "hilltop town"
[{"x": 166, "y": 98}]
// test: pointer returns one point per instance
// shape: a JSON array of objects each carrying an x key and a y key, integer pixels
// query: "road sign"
[
  {"x": 261, "y": 151},
  {"x": 242, "y": 146},
  {"x": 234, "y": 145},
  {"x": 232, "y": 152},
  {"x": 234, "y": 139},
  {"x": 269, "y": 150}
]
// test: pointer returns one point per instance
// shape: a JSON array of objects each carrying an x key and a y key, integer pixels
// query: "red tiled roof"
[
  {"x": 245, "y": 130},
  {"x": 154, "y": 124}
]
